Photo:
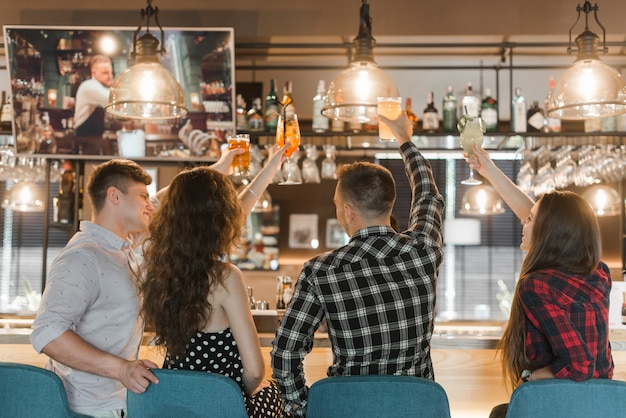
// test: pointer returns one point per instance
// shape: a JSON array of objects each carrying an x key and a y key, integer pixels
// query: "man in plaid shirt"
[{"x": 377, "y": 293}]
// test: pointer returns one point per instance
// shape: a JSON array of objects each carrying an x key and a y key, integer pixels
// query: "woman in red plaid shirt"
[{"x": 558, "y": 326}]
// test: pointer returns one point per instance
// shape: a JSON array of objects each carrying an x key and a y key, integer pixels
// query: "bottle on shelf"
[
  {"x": 251, "y": 300},
  {"x": 470, "y": 104},
  {"x": 536, "y": 120},
  {"x": 552, "y": 124},
  {"x": 289, "y": 107},
  {"x": 242, "y": 114},
  {"x": 337, "y": 125},
  {"x": 518, "y": 112},
  {"x": 47, "y": 143},
  {"x": 271, "y": 107},
  {"x": 320, "y": 122},
  {"x": 5, "y": 115},
  {"x": 65, "y": 199},
  {"x": 255, "y": 120},
  {"x": 409, "y": 112},
  {"x": 489, "y": 111},
  {"x": 450, "y": 104},
  {"x": 430, "y": 117}
]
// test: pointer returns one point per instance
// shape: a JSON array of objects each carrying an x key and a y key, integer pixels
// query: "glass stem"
[{"x": 289, "y": 169}]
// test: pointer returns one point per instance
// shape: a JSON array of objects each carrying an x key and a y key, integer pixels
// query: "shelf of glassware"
[{"x": 449, "y": 140}]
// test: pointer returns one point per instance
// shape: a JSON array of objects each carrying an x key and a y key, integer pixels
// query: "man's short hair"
[
  {"x": 116, "y": 173},
  {"x": 99, "y": 58},
  {"x": 369, "y": 187}
]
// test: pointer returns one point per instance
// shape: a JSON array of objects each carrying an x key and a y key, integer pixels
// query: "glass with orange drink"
[
  {"x": 288, "y": 130},
  {"x": 241, "y": 162}
]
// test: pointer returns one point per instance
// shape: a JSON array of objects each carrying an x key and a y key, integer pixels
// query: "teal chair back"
[
  {"x": 33, "y": 392},
  {"x": 188, "y": 394},
  {"x": 561, "y": 398},
  {"x": 376, "y": 396}
]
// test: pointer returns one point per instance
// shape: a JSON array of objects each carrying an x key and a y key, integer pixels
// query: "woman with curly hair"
[
  {"x": 194, "y": 299},
  {"x": 558, "y": 327}
]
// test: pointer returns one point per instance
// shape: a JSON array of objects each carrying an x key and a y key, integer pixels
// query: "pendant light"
[
  {"x": 481, "y": 200},
  {"x": 351, "y": 96},
  {"x": 604, "y": 200},
  {"x": 589, "y": 88},
  {"x": 147, "y": 90},
  {"x": 24, "y": 196}
]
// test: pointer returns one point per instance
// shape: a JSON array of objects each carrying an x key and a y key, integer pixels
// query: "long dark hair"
[
  {"x": 565, "y": 237},
  {"x": 199, "y": 220}
]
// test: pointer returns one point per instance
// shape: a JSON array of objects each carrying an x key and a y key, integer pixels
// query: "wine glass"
[
  {"x": 471, "y": 130},
  {"x": 288, "y": 130}
]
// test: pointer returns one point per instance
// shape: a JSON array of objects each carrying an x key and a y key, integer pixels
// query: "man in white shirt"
[
  {"x": 91, "y": 99},
  {"x": 88, "y": 322}
]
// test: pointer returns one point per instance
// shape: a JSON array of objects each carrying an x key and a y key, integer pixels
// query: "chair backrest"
[
  {"x": 188, "y": 394},
  {"x": 561, "y": 398},
  {"x": 377, "y": 396},
  {"x": 34, "y": 392}
]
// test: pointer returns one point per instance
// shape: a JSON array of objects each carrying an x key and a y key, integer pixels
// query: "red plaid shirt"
[{"x": 567, "y": 318}]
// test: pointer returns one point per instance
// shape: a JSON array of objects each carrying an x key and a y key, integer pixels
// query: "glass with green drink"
[{"x": 471, "y": 130}]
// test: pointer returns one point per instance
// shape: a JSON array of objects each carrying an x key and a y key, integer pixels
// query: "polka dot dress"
[{"x": 217, "y": 353}]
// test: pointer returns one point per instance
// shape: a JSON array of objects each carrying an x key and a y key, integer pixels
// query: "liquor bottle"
[
  {"x": 320, "y": 122},
  {"x": 255, "y": 120},
  {"x": 623, "y": 308},
  {"x": 470, "y": 104},
  {"x": 271, "y": 107},
  {"x": 242, "y": 116},
  {"x": 536, "y": 120},
  {"x": 489, "y": 112},
  {"x": 552, "y": 124},
  {"x": 289, "y": 107},
  {"x": 518, "y": 112},
  {"x": 66, "y": 194},
  {"x": 449, "y": 111},
  {"x": 430, "y": 117},
  {"x": 47, "y": 143},
  {"x": 5, "y": 115},
  {"x": 409, "y": 112}
]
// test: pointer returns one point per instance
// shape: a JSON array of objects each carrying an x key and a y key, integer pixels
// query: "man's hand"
[
  {"x": 400, "y": 127},
  {"x": 136, "y": 375}
]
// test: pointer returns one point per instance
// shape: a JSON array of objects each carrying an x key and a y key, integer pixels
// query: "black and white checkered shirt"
[{"x": 377, "y": 294}]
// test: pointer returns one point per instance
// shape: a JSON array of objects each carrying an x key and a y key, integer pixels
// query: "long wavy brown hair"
[
  {"x": 194, "y": 229},
  {"x": 565, "y": 237}
]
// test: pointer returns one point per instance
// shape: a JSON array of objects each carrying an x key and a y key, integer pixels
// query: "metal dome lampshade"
[
  {"x": 147, "y": 90},
  {"x": 604, "y": 200},
  {"x": 481, "y": 200},
  {"x": 352, "y": 95},
  {"x": 589, "y": 88},
  {"x": 24, "y": 196}
]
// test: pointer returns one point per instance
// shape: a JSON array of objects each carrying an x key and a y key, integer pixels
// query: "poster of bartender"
[{"x": 91, "y": 99}]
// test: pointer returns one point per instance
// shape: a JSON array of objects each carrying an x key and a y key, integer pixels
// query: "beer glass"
[
  {"x": 391, "y": 108},
  {"x": 241, "y": 162}
]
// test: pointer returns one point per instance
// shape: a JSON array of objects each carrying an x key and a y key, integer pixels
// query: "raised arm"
[
  {"x": 519, "y": 202},
  {"x": 257, "y": 186}
]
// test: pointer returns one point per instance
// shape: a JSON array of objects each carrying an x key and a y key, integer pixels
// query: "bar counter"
[{"x": 465, "y": 364}]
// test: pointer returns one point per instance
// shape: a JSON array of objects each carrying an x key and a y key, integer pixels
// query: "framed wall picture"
[
  {"x": 335, "y": 235},
  {"x": 303, "y": 231},
  {"x": 48, "y": 65}
]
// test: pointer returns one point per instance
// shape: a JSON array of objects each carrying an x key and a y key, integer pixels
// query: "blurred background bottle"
[
  {"x": 271, "y": 107},
  {"x": 430, "y": 117},
  {"x": 409, "y": 112},
  {"x": 255, "y": 120},
  {"x": 536, "y": 119},
  {"x": 489, "y": 111},
  {"x": 6, "y": 113},
  {"x": 552, "y": 124},
  {"x": 289, "y": 107},
  {"x": 470, "y": 104},
  {"x": 450, "y": 104},
  {"x": 518, "y": 112},
  {"x": 241, "y": 113},
  {"x": 320, "y": 122}
]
